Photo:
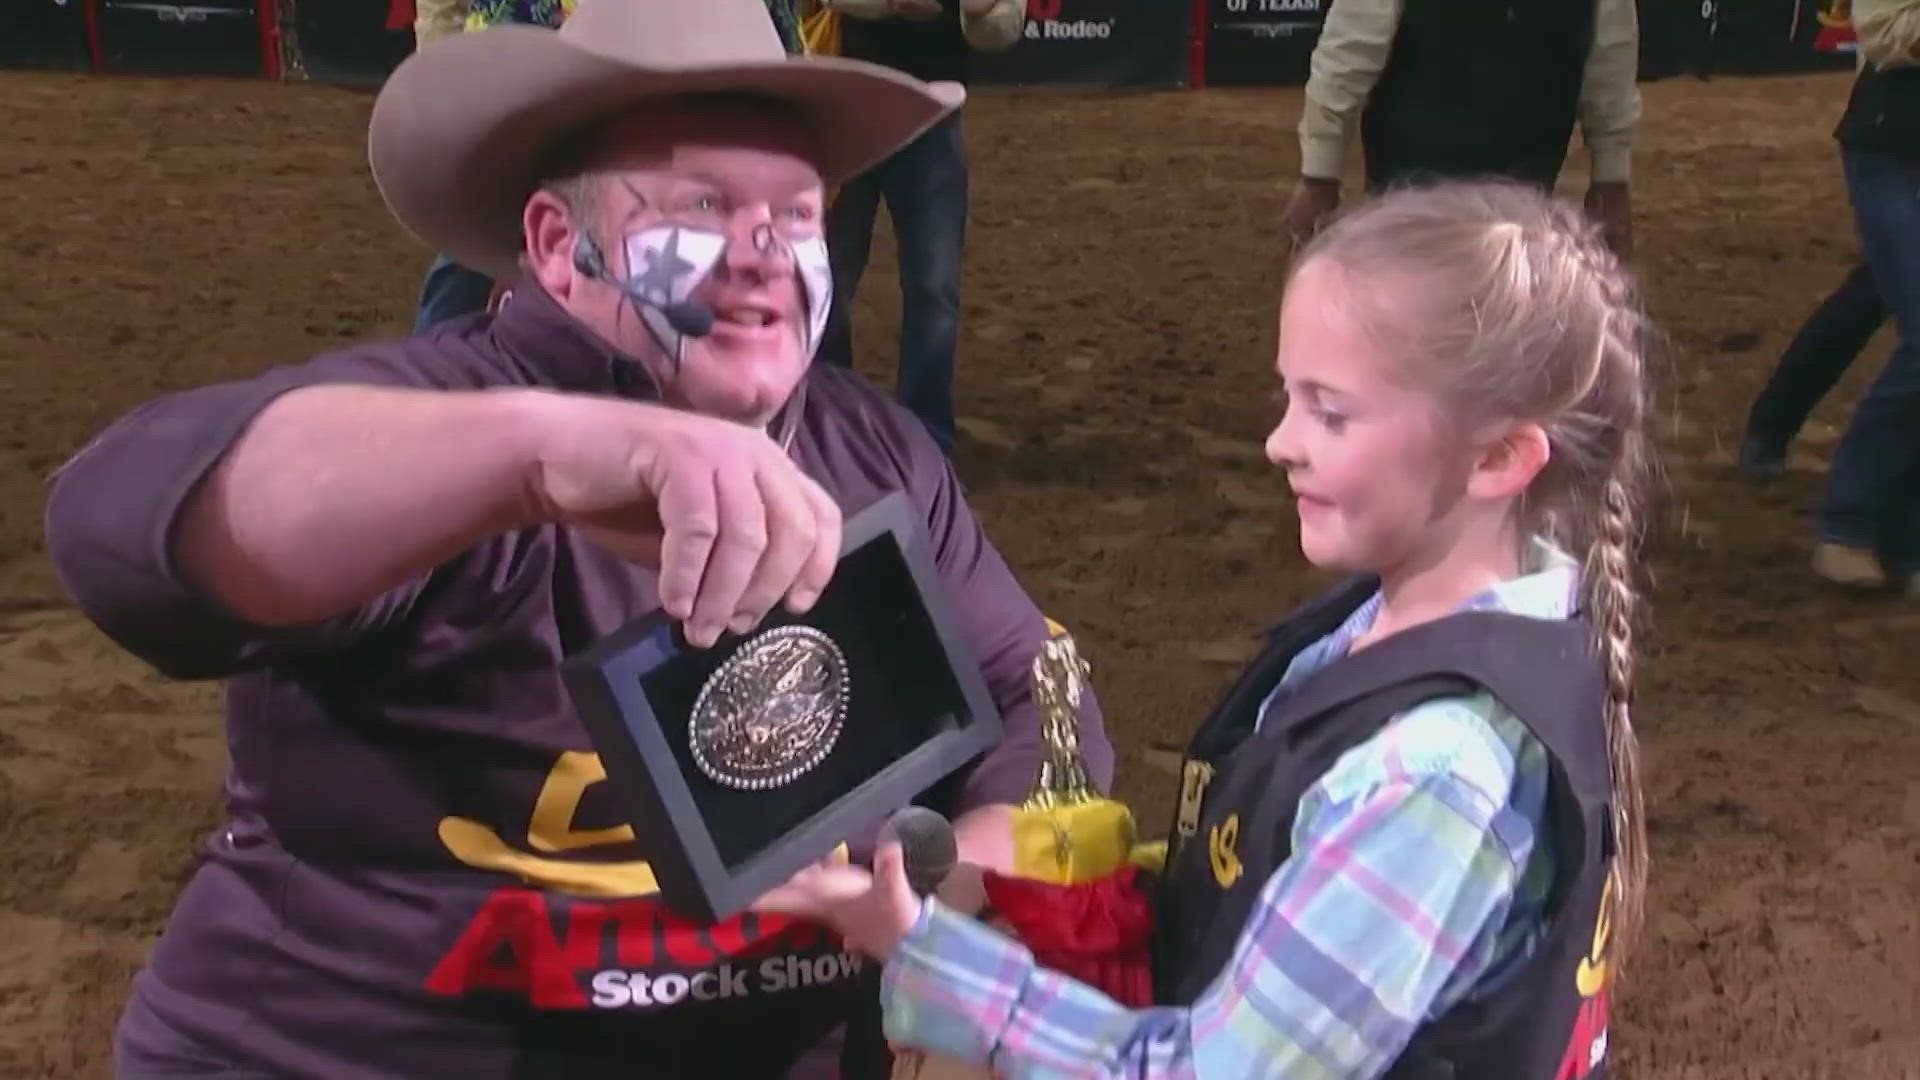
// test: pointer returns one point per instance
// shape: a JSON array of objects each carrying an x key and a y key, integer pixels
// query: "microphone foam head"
[
  {"x": 693, "y": 320},
  {"x": 927, "y": 845}
]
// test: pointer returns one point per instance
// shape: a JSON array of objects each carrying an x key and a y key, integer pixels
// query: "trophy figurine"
[{"x": 1075, "y": 852}]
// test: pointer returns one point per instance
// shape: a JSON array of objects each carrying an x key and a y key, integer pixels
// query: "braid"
[
  {"x": 1612, "y": 592},
  {"x": 1613, "y": 604}
]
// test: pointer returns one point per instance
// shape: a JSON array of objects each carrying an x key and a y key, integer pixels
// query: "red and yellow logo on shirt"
[{"x": 583, "y": 934}]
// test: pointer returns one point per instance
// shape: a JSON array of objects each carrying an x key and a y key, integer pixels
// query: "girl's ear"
[{"x": 1509, "y": 462}]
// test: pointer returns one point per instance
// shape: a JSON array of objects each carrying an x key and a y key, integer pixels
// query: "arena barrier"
[
  {"x": 1148, "y": 44},
  {"x": 1270, "y": 42},
  {"x": 40, "y": 35},
  {"x": 145, "y": 37}
]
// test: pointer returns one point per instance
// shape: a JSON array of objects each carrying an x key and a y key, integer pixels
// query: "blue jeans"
[
  {"x": 1826, "y": 345},
  {"x": 925, "y": 187},
  {"x": 450, "y": 290},
  {"x": 1873, "y": 489}
]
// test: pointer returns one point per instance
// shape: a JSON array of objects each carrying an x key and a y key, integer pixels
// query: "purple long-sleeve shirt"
[{"x": 421, "y": 873}]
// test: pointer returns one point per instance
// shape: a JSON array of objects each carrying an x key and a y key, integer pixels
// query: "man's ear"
[
  {"x": 550, "y": 235},
  {"x": 1508, "y": 462}
]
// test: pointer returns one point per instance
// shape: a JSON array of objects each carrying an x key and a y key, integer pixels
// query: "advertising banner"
[
  {"x": 1118, "y": 43},
  {"x": 1262, "y": 42}
]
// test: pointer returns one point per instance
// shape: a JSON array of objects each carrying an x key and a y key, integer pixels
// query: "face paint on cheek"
[
  {"x": 664, "y": 266},
  {"x": 810, "y": 263}
]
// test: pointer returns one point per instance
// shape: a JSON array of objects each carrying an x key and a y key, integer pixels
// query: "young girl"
[{"x": 1410, "y": 839}]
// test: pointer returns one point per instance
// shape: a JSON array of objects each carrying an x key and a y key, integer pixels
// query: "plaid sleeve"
[{"x": 1402, "y": 872}]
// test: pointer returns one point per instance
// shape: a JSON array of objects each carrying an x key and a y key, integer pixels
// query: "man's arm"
[
  {"x": 208, "y": 527},
  {"x": 1888, "y": 32},
  {"x": 1610, "y": 91},
  {"x": 334, "y": 495},
  {"x": 1354, "y": 44},
  {"x": 197, "y": 530}
]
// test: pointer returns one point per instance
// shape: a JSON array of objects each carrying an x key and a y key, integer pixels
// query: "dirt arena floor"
[{"x": 1120, "y": 289}]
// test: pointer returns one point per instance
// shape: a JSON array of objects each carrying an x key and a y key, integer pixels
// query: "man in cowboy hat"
[
  {"x": 450, "y": 290},
  {"x": 386, "y": 552}
]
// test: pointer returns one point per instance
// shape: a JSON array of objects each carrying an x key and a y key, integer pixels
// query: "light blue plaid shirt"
[{"x": 1418, "y": 879}]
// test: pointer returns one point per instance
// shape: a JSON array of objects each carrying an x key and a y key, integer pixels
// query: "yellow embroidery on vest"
[
  {"x": 1591, "y": 976},
  {"x": 1221, "y": 840}
]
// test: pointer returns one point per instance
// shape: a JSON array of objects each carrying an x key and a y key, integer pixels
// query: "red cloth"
[
  {"x": 400, "y": 14},
  {"x": 1098, "y": 932}
]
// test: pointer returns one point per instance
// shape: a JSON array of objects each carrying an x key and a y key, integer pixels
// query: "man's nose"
[{"x": 755, "y": 247}]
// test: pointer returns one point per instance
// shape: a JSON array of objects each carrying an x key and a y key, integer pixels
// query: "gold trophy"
[{"x": 1065, "y": 833}]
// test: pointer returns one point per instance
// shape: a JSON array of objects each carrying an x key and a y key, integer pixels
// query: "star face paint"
[
  {"x": 664, "y": 267},
  {"x": 666, "y": 264},
  {"x": 816, "y": 287}
]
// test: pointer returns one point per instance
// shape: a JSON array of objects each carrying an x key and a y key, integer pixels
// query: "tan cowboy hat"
[{"x": 463, "y": 127}]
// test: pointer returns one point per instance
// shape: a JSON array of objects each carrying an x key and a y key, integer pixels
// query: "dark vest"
[
  {"x": 1478, "y": 87},
  {"x": 1883, "y": 114},
  {"x": 934, "y": 50},
  {"x": 1240, "y": 790}
]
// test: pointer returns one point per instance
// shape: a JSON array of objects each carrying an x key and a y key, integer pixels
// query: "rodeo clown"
[{"x": 386, "y": 551}]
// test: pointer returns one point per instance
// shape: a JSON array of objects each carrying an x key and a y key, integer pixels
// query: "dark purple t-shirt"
[{"x": 421, "y": 873}]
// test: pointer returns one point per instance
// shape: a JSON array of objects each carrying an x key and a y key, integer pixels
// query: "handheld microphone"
[
  {"x": 688, "y": 317},
  {"x": 927, "y": 846}
]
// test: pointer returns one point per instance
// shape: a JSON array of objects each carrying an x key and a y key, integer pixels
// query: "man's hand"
[
  {"x": 1611, "y": 204},
  {"x": 1312, "y": 202},
  {"x": 731, "y": 522}
]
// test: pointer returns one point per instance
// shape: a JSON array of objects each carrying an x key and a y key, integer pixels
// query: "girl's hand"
[{"x": 871, "y": 910}]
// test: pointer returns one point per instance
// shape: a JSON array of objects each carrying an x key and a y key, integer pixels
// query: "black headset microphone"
[
  {"x": 691, "y": 318},
  {"x": 687, "y": 317}
]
